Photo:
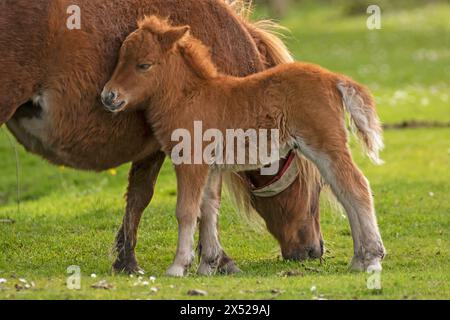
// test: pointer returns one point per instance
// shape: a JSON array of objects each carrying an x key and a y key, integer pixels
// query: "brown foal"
[{"x": 165, "y": 71}]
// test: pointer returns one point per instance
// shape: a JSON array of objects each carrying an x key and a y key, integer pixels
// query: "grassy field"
[{"x": 70, "y": 218}]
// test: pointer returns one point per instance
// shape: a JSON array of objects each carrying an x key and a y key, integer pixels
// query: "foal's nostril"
[
  {"x": 108, "y": 97},
  {"x": 112, "y": 96}
]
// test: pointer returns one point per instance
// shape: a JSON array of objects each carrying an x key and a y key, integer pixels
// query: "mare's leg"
[
  {"x": 141, "y": 187},
  {"x": 353, "y": 192},
  {"x": 212, "y": 256},
  {"x": 191, "y": 180}
]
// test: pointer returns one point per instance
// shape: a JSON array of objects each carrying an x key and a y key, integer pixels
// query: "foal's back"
[{"x": 292, "y": 93}]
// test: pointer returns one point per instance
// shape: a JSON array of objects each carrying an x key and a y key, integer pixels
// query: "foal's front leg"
[
  {"x": 191, "y": 180},
  {"x": 212, "y": 256}
]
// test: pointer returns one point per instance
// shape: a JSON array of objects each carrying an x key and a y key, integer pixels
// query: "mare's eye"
[{"x": 144, "y": 67}]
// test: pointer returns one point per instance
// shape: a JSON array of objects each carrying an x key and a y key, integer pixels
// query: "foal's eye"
[{"x": 144, "y": 67}]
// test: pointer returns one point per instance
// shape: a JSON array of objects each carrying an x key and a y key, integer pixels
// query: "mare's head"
[{"x": 141, "y": 63}]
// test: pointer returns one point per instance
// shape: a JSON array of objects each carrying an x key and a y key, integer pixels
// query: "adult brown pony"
[
  {"x": 165, "y": 71},
  {"x": 51, "y": 78}
]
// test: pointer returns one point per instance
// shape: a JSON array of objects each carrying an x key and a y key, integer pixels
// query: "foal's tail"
[{"x": 359, "y": 103}]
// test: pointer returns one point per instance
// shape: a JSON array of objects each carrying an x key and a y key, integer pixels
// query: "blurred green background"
[
  {"x": 69, "y": 217},
  {"x": 406, "y": 63},
  {"x": 280, "y": 8}
]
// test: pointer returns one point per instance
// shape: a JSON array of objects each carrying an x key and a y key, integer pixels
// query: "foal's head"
[{"x": 144, "y": 62}]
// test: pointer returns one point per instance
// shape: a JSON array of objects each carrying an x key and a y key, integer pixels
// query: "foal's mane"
[{"x": 196, "y": 53}]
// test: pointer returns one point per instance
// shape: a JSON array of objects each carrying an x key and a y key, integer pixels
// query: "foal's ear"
[{"x": 171, "y": 37}]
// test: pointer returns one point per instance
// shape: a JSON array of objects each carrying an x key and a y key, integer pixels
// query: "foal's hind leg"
[
  {"x": 191, "y": 180},
  {"x": 212, "y": 256},
  {"x": 353, "y": 192}
]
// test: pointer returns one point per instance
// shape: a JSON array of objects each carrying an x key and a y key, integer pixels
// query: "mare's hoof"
[{"x": 127, "y": 267}]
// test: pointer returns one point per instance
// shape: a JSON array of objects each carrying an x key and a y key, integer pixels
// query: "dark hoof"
[
  {"x": 127, "y": 267},
  {"x": 228, "y": 266}
]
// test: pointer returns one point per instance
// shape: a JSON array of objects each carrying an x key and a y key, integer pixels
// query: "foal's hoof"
[
  {"x": 228, "y": 266},
  {"x": 176, "y": 271},
  {"x": 360, "y": 264},
  {"x": 207, "y": 269},
  {"x": 221, "y": 264}
]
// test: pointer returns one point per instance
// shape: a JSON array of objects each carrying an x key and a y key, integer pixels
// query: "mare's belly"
[{"x": 92, "y": 142}]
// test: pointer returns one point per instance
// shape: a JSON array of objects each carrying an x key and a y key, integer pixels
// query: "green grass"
[
  {"x": 70, "y": 218},
  {"x": 406, "y": 63}
]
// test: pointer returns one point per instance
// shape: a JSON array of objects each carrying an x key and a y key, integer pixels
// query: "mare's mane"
[{"x": 196, "y": 54}]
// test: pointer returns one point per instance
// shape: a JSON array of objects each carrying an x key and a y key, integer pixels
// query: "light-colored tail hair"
[
  {"x": 267, "y": 34},
  {"x": 360, "y": 104},
  {"x": 268, "y": 38},
  {"x": 243, "y": 8}
]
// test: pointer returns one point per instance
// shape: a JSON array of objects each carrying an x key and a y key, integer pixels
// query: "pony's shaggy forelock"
[
  {"x": 193, "y": 50},
  {"x": 155, "y": 24}
]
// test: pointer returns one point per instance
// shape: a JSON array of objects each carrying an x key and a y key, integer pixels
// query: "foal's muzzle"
[{"x": 111, "y": 101}]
